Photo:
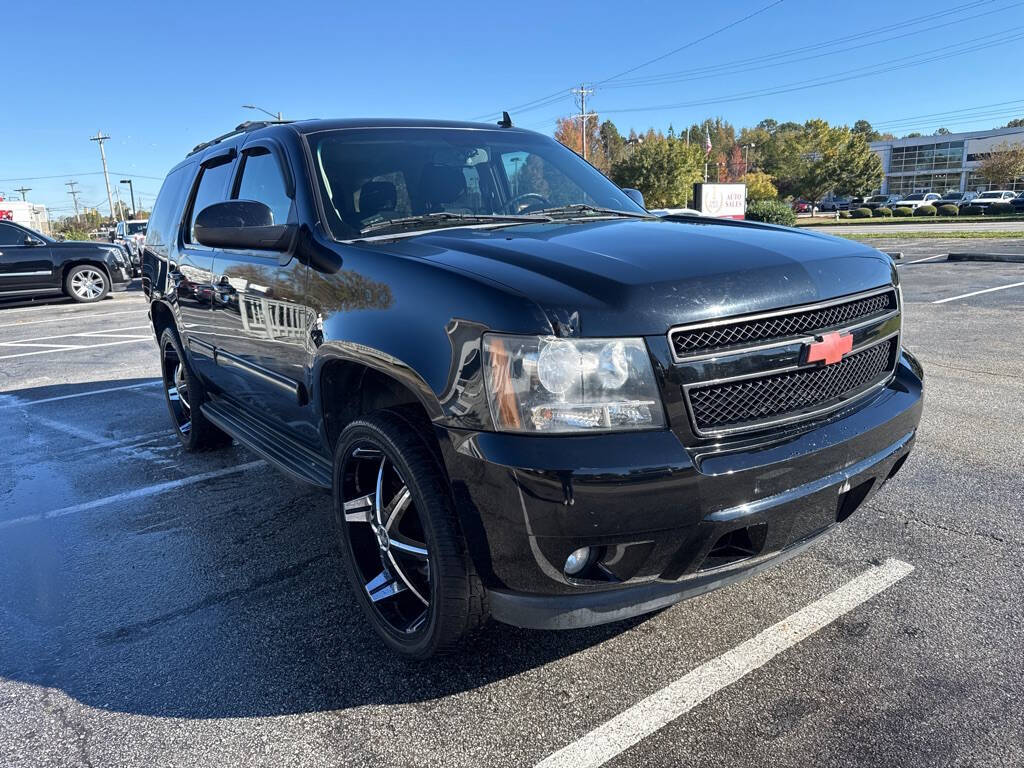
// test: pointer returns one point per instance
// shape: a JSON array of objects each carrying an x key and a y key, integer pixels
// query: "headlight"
[{"x": 547, "y": 384}]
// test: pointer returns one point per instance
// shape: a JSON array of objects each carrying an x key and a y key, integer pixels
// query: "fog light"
[{"x": 577, "y": 561}]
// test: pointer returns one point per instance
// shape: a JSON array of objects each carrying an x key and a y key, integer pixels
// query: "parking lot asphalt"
[{"x": 159, "y": 608}]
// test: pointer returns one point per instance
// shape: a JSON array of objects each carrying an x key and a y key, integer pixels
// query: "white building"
[
  {"x": 27, "y": 214},
  {"x": 942, "y": 163}
]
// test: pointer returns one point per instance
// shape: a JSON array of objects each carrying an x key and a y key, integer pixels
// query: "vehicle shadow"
[
  {"x": 225, "y": 598},
  {"x": 135, "y": 286}
]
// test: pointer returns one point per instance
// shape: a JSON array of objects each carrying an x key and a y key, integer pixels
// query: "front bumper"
[
  {"x": 120, "y": 278},
  {"x": 669, "y": 522}
]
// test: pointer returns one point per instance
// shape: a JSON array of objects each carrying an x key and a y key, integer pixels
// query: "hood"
[{"x": 641, "y": 276}]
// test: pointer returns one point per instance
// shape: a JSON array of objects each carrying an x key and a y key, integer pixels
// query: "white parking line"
[
  {"x": 659, "y": 709},
  {"x": 978, "y": 293},
  {"x": 918, "y": 261},
  {"x": 74, "y": 349},
  {"x": 137, "y": 493},
  {"x": 25, "y": 403},
  {"x": 61, "y": 319}
]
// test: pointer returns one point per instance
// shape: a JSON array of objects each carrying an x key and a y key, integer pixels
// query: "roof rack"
[{"x": 248, "y": 125}]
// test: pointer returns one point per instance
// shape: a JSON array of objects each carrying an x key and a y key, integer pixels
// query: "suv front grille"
[
  {"x": 766, "y": 398},
  {"x": 767, "y": 328}
]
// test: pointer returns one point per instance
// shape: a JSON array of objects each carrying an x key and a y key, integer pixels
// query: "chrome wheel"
[
  {"x": 176, "y": 388},
  {"x": 88, "y": 284},
  {"x": 386, "y": 538}
]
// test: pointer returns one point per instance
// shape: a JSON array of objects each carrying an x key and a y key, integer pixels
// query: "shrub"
[
  {"x": 1000, "y": 209},
  {"x": 971, "y": 210},
  {"x": 845, "y": 215},
  {"x": 948, "y": 210},
  {"x": 771, "y": 212},
  {"x": 903, "y": 211},
  {"x": 861, "y": 213},
  {"x": 925, "y": 210},
  {"x": 882, "y": 212}
]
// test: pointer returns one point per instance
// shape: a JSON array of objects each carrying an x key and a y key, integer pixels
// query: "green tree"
[
  {"x": 1003, "y": 165},
  {"x": 834, "y": 159},
  {"x": 613, "y": 146},
  {"x": 759, "y": 186},
  {"x": 663, "y": 169}
]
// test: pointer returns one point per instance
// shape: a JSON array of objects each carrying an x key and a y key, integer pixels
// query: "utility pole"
[
  {"x": 23, "y": 190},
  {"x": 100, "y": 138},
  {"x": 131, "y": 188},
  {"x": 74, "y": 196},
  {"x": 583, "y": 116}
]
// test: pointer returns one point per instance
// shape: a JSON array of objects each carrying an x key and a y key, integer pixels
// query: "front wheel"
[
  {"x": 404, "y": 552},
  {"x": 86, "y": 283}
]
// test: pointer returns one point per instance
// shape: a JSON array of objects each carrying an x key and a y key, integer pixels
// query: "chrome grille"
[
  {"x": 749, "y": 401},
  {"x": 779, "y": 325}
]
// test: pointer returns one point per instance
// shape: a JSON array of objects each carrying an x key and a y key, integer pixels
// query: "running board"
[{"x": 280, "y": 449}]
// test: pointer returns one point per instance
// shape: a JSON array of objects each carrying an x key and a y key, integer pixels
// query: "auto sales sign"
[{"x": 726, "y": 201}]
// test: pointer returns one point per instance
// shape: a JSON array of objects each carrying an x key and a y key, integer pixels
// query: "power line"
[
  {"x": 780, "y": 59},
  {"x": 23, "y": 191},
  {"x": 692, "y": 43},
  {"x": 839, "y": 77}
]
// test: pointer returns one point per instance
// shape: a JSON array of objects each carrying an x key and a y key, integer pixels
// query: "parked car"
[
  {"x": 956, "y": 198},
  {"x": 34, "y": 265},
  {"x": 917, "y": 199},
  {"x": 538, "y": 403},
  {"x": 835, "y": 204},
  {"x": 803, "y": 206},
  {"x": 986, "y": 199},
  {"x": 132, "y": 234},
  {"x": 1018, "y": 203},
  {"x": 881, "y": 201}
]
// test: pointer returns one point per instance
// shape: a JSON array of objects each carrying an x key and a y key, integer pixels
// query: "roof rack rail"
[{"x": 248, "y": 125}]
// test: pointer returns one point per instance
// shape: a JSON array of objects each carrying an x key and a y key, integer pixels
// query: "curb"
[{"x": 1006, "y": 257}]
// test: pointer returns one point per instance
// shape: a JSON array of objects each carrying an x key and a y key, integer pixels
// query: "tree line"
[{"x": 776, "y": 160}]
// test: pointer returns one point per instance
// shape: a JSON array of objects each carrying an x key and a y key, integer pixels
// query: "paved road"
[
  {"x": 910, "y": 226},
  {"x": 150, "y": 618}
]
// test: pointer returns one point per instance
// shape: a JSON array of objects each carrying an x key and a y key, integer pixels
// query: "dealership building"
[{"x": 943, "y": 162}]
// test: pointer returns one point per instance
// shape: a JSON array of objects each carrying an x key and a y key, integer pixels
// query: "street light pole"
[
  {"x": 131, "y": 189},
  {"x": 275, "y": 115}
]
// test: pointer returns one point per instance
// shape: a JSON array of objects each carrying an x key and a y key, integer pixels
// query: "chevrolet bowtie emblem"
[{"x": 830, "y": 349}]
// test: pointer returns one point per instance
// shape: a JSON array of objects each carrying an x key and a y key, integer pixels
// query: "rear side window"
[
  {"x": 213, "y": 181},
  {"x": 262, "y": 181},
  {"x": 166, "y": 212}
]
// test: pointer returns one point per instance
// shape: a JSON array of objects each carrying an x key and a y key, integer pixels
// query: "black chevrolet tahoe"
[
  {"x": 33, "y": 265},
  {"x": 530, "y": 399}
]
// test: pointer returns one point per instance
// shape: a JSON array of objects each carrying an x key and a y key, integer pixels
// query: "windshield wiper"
[
  {"x": 445, "y": 217},
  {"x": 585, "y": 208}
]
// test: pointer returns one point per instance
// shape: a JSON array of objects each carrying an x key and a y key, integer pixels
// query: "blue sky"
[{"x": 161, "y": 77}]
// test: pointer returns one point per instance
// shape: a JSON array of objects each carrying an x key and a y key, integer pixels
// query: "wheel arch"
[{"x": 67, "y": 266}]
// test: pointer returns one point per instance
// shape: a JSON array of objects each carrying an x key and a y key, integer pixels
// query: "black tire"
[
  {"x": 86, "y": 283},
  {"x": 385, "y": 456},
  {"x": 185, "y": 394}
]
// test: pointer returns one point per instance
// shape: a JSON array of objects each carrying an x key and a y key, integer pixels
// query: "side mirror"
[
  {"x": 33, "y": 241},
  {"x": 635, "y": 195},
  {"x": 242, "y": 224}
]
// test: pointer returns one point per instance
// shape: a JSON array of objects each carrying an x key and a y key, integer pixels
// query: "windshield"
[
  {"x": 878, "y": 199},
  {"x": 951, "y": 196},
  {"x": 914, "y": 197},
  {"x": 990, "y": 195},
  {"x": 369, "y": 178},
  {"x": 137, "y": 227}
]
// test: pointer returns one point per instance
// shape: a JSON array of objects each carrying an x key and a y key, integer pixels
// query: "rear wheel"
[
  {"x": 404, "y": 553},
  {"x": 185, "y": 395},
  {"x": 86, "y": 283}
]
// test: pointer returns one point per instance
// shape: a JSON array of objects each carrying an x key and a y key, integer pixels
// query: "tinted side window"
[
  {"x": 11, "y": 235},
  {"x": 262, "y": 181},
  {"x": 160, "y": 232},
  {"x": 212, "y": 184}
]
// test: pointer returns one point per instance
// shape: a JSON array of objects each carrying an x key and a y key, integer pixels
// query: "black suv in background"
[
  {"x": 32, "y": 264},
  {"x": 529, "y": 397}
]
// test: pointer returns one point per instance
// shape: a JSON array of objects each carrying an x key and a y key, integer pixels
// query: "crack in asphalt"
[
  {"x": 132, "y": 632},
  {"x": 970, "y": 370},
  {"x": 70, "y": 723},
  {"x": 937, "y": 526}
]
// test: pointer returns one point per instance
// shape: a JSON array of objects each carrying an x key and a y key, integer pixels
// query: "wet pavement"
[{"x": 159, "y": 608}]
